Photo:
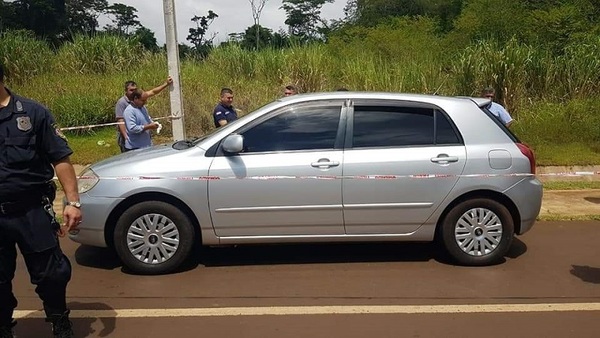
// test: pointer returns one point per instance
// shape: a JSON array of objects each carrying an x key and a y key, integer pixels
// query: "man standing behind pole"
[
  {"x": 124, "y": 101},
  {"x": 224, "y": 111},
  {"x": 32, "y": 149},
  {"x": 138, "y": 123}
]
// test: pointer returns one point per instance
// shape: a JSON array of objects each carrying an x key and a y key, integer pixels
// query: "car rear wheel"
[
  {"x": 153, "y": 237},
  {"x": 477, "y": 232}
]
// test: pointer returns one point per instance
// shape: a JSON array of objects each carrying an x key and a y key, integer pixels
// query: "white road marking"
[{"x": 319, "y": 310}]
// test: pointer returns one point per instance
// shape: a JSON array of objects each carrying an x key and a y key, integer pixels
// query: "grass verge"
[{"x": 571, "y": 185}]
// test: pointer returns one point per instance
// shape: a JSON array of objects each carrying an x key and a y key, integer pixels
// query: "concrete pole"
[{"x": 178, "y": 121}]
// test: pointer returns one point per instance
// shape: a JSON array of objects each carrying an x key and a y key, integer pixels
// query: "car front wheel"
[
  {"x": 477, "y": 232},
  {"x": 153, "y": 237}
]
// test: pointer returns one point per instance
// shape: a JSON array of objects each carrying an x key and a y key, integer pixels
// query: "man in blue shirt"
[
  {"x": 496, "y": 108},
  {"x": 123, "y": 102},
  {"x": 138, "y": 123},
  {"x": 224, "y": 111}
]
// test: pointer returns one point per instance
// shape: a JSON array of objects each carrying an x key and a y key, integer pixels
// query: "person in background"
[
  {"x": 224, "y": 111},
  {"x": 290, "y": 90},
  {"x": 496, "y": 108},
  {"x": 34, "y": 149},
  {"x": 138, "y": 122},
  {"x": 124, "y": 101}
]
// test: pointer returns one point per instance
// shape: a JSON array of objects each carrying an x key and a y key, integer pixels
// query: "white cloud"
[{"x": 234, "y": 16}]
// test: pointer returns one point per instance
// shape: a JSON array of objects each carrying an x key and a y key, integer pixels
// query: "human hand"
[
  {"x": 72, "y": 218},
  {"x": 169, "y": 80}
]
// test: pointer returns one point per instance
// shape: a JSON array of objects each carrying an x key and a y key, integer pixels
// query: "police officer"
[{"x": 30, "y": 146}]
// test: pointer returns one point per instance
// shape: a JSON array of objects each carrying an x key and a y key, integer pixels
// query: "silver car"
[{"x": 324, "y": 167}]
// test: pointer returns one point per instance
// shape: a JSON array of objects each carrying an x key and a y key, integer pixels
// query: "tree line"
[{"x": 554, "y": 24}]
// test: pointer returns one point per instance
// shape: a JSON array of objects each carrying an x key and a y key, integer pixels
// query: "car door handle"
[
  {"x": 443, "y": 158},
  {"x": 325, "y": 163}
]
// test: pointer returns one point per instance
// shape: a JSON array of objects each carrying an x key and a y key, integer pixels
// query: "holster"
[{"x": 50, "y": 190}]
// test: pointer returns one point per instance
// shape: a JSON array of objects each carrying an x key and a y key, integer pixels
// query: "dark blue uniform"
[
  {"x": 222, "y": 112},
  {"x": 29, "y": 143}
]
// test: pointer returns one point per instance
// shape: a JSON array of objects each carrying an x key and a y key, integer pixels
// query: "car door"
[
  {"x": 287, "y": 181},
  {"x": 401, "y": 161}
]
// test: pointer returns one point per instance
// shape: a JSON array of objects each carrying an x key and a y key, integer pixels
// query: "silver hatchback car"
[{"x": 324, "y": 167}]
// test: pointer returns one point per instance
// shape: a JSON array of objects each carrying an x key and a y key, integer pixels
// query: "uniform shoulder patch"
[{"x": 58, "y": 132}]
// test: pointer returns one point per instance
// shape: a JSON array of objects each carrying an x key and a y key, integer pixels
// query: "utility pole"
[{"x": 177, "y": 114}]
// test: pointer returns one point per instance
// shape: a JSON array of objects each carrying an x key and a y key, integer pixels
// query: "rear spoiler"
[{"x": 481, "y": 102}]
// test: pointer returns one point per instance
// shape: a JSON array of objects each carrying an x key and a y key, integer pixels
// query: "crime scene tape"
[
  {"x": 303, "y": 177},
  {"x": 336, "y": 177},
  {"x": 90, "y": 126}
]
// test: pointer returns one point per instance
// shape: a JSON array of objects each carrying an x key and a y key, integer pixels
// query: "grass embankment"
[{"x": 553, "y": 98}]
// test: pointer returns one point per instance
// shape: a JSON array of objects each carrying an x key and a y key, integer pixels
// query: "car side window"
[
  {"x": 396, "y": 126},
  {"x": 444, "y": 132},
  {"x": 296, "y": 128},
  {"x": 392, "y": 126}
]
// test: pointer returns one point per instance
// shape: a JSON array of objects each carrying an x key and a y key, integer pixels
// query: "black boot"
[
  {"x": 61, "y": 325},
  {"x": 6, "y": 330}
]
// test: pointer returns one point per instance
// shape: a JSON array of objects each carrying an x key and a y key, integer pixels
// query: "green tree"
[
  {"x": 249, "y": 41},
  {"x": 498, "y": 20},
  {"x": 197, "y": 37},
  {"x": 146, "y": 38},
  {"x": 304, "y": 19},
  {"x": 370, "y": 13},
  {"x": 82, "y": 15},
  {"x": 124, "y": 19},
  {"x": 46, "y": 18}
]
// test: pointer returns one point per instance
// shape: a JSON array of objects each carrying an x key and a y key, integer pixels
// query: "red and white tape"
[
  {"x": 334, "y": 177},
  {"x": 90, "y": 126}
]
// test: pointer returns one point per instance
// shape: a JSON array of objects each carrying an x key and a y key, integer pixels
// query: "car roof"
[{"x": 357, "y": 95}]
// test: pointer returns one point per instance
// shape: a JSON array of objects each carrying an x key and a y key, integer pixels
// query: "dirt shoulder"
[{"x": 556, "y": 204}]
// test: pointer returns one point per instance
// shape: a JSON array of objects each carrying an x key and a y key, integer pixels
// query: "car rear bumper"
[{"x": 527, "y": 196}]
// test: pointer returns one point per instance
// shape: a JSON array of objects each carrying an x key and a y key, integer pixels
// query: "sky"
[{"x": 234, "y": 16}]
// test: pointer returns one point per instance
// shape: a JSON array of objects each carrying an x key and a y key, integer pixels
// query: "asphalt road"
[{"x": 549, "y": 286}]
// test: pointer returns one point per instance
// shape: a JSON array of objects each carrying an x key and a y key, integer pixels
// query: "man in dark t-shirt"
[{"x": 224, "y": 111}]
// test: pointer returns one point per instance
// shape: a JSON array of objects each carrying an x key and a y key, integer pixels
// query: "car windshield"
[{"x": 243, "y": 118}]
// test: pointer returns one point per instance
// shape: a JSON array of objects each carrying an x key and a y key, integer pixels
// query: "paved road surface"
[{"x": 549, "y": 286}]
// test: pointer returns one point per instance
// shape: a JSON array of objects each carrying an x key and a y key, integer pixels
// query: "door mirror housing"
[{"x": 233, "y": 144}]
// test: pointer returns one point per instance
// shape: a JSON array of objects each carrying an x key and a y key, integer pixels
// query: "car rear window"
[
  {"x": 500, "y": 124},
  {"x": 393, "y": 126}
]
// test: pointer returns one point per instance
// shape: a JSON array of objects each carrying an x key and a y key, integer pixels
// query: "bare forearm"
[
  {"x": 66, "y": 175},
  {"x": 157, "y": 89},
  {"x": 160, "y": 88},
  {"x": 122, "y": 128}
]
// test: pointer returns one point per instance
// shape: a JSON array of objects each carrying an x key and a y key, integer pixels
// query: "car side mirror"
[{"x": 233, "y": 144}]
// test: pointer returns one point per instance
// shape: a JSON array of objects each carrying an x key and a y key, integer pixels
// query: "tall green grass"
[
  {"x": 99, "y": 54},
  {"x": 554, "y": 99},
  {"x": 23, "y": 56}
]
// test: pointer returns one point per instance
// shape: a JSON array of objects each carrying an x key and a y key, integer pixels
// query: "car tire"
[
  {"x": 153, "y": 237},
  {"x": 477, "y": 232}
]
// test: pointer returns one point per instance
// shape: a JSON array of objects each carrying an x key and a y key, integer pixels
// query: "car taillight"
[{"x": 529, "y": 154}]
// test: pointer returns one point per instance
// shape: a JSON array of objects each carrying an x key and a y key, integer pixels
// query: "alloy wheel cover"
[
  {"x": 478, "y": 232},
  {"x": 153, "y": 238}
]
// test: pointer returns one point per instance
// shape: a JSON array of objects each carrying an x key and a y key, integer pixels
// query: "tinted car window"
[
  {"x": 401, "y": 126},
  {"x": 392, "y": 126},
  {"x": 444, "y": 132},
  {"x": 300, "y": 128}
]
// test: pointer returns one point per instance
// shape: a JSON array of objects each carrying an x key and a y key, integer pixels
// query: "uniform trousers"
[{"x": 34, "y": 232}]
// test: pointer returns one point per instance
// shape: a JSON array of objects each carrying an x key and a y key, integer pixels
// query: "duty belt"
[{"x": 11, "y": 208}]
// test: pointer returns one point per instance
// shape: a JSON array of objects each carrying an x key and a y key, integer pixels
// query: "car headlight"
[{"x": 87, "y": 180}]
